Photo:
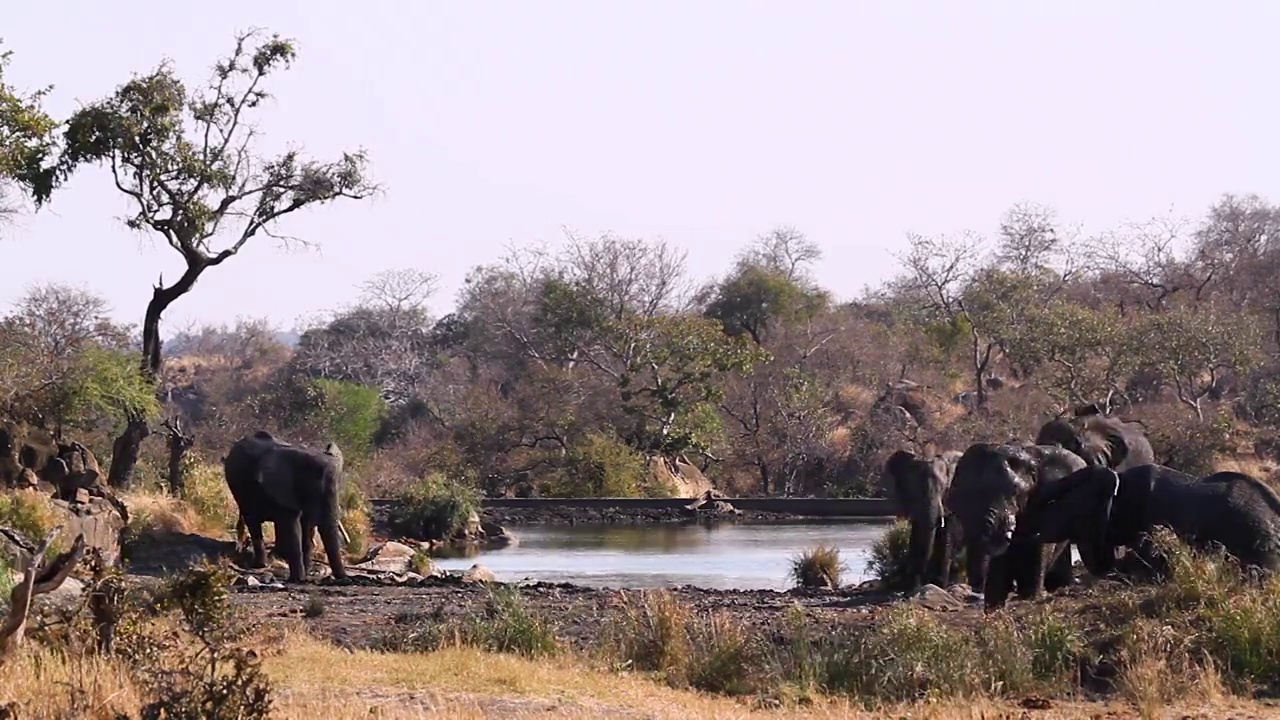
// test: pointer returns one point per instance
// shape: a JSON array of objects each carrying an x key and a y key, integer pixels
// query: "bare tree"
[
  {"x": 785, "y": 250},
  {"x": 399, "y": 290}
]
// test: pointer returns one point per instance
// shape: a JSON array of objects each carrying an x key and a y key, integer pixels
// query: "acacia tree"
[
  {"x": 187, "y": 161},
  {"x": 26, "y": 139}
]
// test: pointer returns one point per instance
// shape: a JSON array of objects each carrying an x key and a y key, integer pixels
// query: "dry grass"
[
  {"x": 1249, "y": 464},
  {"x": 818, "y": 567}
]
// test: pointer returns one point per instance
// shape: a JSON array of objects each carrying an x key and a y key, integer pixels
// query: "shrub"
[
  {"x": 31, "y": 513},
  {"x": 887, "y": 560},
  {"x": 205, "y": 490},
  {"x": 818, "y": 567},
  {"x": 435, "y": 508},
  {"x": 355, "y": 518},
  {"x": 351, "y": 414},
  {"x": 726, "y": 658},
  {"x": 600, "y": 465},
  {"x": 506, "y": 625}
]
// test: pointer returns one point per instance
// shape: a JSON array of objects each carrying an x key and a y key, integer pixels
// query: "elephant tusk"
[{"x": 346, "y": 539}]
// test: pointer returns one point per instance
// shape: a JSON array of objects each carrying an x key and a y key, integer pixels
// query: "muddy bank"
[{"x": 367, "y": 616}]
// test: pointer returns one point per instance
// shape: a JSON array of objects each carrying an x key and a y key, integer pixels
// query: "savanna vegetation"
[{"x": 605, "y": 366}]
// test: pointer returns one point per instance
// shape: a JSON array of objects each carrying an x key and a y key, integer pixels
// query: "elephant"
[
  {"x": 919, "y": 485},
  {"x": 295, "y": 488},
  {"x": 1099, "y": 439},
  {"x": 1101, "y": 509},
  {"x": 990, "y": 485}
]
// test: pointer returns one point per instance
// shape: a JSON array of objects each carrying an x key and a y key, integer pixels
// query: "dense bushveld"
[{"x": 572, "y": 372}]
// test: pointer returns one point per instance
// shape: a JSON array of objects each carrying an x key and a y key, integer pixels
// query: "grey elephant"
[
  {"x": 990, "y": 485},
  {"x": 1099, "y": 439},
  {"x": 1101, "y": 509},
  {"x": 296, "y": 489},
  {"x": 919, "y": 485}
]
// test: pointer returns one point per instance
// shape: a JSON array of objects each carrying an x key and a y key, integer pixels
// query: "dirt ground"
[{"x": 363, "y": 616}]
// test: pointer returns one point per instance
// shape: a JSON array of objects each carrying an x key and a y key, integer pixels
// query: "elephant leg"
[
  {"x": 975, "y": 561},
  {"x": 308, "y": 542},
  {"x": 1000, "y": 579},
  {"x": 259, "y": 545},
  {"x": 289, "y": 538},
  {"x": 939, "y": 569},
  {"x": 1026, "y": 564},
  {"x": 1059, "y": 573},
  {"x": 331, "y": 538},
  {"x": 918, "y": 552}
]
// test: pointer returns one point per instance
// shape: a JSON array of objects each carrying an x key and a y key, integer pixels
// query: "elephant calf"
[
  {"x": 1101, "y": 510},
  {"x": 919, "y": 485},
  {"x": 297, "y": 490}
]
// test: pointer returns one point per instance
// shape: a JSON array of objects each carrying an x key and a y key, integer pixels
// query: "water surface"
[{"x": 725, "y": 555}]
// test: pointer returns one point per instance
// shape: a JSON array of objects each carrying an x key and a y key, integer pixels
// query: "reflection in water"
[{"x": 714, "y": 555}]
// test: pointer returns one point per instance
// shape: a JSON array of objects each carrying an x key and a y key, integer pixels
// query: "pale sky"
[{"x": 702, "y": 122}]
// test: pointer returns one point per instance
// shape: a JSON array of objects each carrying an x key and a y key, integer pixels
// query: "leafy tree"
[
  {"x": 769, "y": 285},
  {"x": 351, "y": 413},
  {"x": 26, "y": 136},
  {"x": 186, "y": 160},
  {"x": 1195, "y": 347}
]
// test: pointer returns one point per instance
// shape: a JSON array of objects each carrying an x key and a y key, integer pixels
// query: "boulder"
[
  {"x": 495, "y": 534},
  {"x": 710, "y": 504},
  {"x": 682, "y": 478},
  {"x": 479, "y": 574},
  {"x": 390, "y": 557},
  {"x": 933, "y": 597}
]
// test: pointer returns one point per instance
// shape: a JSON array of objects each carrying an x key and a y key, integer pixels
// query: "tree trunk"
[
  {"x": 125, "y": 450},
  {"x": 179, "y": 444},
  {"x": 128, "y": 446}
]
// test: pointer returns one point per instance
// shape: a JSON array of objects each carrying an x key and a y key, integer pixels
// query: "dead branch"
[{"x": 36, "y": 581}]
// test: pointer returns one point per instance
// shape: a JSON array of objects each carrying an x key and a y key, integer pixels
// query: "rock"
[
  {"x": 66, "y": 595},
  {"x": 933, "y": 597},
  {"x": 480, "y": 574},
  {"x": 709, "y": 504},
  {"x": 246, "y": 581},
  {"x": 495, "y": 534},
  {"x": 391, "y": 556}
]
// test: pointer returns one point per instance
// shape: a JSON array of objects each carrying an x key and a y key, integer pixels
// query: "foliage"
[
  {"x": 601, "y": 466},
  {"x": 215, "y": 679},
  {"x": 26, "y": 134},
  {"x": 351, "y": 414},
  {"x": 435, "y": 508},
  {"x": 31, "y": 514}
]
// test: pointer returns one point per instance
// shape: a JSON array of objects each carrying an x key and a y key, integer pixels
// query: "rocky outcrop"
[
  {"x": 680, "y": 477},
  {"x": 389, "y": 557},
  {"x": 711, "y": 504}
]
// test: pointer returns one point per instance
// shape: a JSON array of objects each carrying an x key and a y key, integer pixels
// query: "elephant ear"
[
  {"x": 896, "y": 470},
  {"x": 276, "y": 477},
  {"x": 1105, "y": 435}
]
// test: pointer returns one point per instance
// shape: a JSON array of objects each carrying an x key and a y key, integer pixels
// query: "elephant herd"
[{"x": 1091, "y": 480}]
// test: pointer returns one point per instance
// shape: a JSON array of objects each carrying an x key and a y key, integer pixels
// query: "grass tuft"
[{"x": 818, "y": 567}]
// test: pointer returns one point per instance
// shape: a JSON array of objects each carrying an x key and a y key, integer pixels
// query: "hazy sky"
[{"x": 703, "y": 122}]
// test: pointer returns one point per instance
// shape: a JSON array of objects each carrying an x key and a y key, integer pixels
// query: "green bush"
[
  {"x": 31, "y": 514},
  {"x": 887, "y": 561},
  {"x": 352, "y": 414},
  {"x": 600, "y": 465},
  {"x": 435, "y": 508}
]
